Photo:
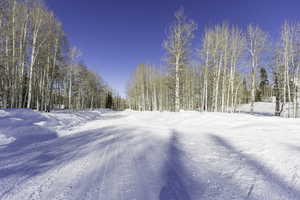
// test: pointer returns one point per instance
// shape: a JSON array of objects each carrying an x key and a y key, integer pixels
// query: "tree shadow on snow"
[
  {"x": 36, "y": 158},
  {"x": 34, "y": 154},
  {"x": 179, "y": 182},
  {"x": 264, "y": 114},
  {"x": 251, "y": 163},
  {"x": 293, "y": 147}
]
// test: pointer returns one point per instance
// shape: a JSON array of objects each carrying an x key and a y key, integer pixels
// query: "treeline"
[
  {"x": 233, "y": 67},
  {"x": 38, "y": 69}
]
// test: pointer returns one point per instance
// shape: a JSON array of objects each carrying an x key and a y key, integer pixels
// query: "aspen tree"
[
  {"x": 256, "y": 43},
  {"x": 177, "y": 46}
]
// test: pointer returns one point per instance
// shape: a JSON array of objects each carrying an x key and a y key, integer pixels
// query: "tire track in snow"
[
  {"x": 103, "y": 178},
  {"x": 120, "y": 156},
  {"x": 99, "y": 177},
  {"x": 90, "y": 188}
]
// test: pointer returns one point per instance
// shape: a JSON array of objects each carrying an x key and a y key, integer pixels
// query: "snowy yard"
[{"x": 148, "y": 155}]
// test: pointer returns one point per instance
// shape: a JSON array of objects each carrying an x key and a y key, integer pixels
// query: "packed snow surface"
[{"x": 148, "y": 156}]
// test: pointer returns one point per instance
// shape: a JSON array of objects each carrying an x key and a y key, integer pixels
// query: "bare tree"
[
  {"x": 74, "y": 54},
  {"x": 177, "y": 46},
  {"x": 289, "y": 53},
  {"x": 256, "y": 43}
]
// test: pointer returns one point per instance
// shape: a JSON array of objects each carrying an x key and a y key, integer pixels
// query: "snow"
[
  {"x": 260, "y": 108},
  {"x": 6, "y": 140},
  {"x": 190, "y": 155}
]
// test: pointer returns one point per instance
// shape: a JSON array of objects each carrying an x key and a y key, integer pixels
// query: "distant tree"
[
  {"x": 109, "y": 100},
  {"x": 263, "y": 85}
]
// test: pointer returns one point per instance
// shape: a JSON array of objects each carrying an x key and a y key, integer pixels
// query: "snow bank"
[
  {"x": 3, "y": 113},
  {"x": 66, "y": 122},
  {"x": 27, "y": 126},
  {"x": 6, "y": 140}
]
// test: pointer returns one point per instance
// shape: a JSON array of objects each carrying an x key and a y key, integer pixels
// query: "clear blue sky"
[{"x": 115, "y": 36}]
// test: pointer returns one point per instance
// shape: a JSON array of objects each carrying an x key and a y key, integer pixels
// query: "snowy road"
[{"x": 155, "y": 156}]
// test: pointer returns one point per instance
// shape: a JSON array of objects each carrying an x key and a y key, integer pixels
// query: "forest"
[
  {"x": 39, "y": 69},
  {"x": 230, "y": 66},
  {"x": 215, "y": 71}
]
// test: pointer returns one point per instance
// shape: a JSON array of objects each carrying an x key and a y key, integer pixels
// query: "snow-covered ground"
[{"x": 148, "y": 155}]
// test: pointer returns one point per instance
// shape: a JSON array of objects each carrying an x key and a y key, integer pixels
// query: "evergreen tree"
[{"x": 109, "y": 101}]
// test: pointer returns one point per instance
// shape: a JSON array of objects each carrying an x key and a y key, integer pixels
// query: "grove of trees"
[
  {"x": 229, "y": 67},
  {"x": 38, "y": 69}
]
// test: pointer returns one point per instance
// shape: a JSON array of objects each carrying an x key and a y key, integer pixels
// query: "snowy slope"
[{"x": 148, "y": 155}]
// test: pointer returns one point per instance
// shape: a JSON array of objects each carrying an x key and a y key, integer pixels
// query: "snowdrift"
[{"x": 27, "y": 126}]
